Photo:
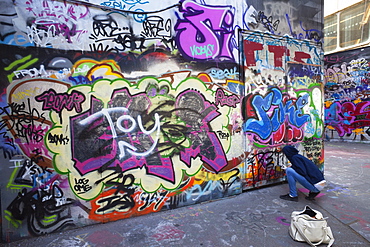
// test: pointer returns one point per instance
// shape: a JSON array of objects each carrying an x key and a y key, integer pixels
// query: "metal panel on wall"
[{"x": 282, "y": 103}]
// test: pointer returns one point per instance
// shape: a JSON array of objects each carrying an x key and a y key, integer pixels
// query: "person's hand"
[{"x": 285, "y": 166}]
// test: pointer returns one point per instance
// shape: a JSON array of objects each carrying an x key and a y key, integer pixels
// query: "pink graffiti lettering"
[
  {"x": 60, "y": 10},
  {"x": 223, "y": 99},
  {"x": 57, "y": 102},
  {"x": 60, "y": 29}
]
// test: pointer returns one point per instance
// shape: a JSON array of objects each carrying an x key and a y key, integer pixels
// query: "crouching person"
[{"x": 303, "y": 171}]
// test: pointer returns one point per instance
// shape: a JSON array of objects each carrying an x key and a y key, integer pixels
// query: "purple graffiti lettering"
[
  {"x": 60, "y": 29},
  {"x": 125, "y": 136},
  {"x": 115, "y": 128},
  {"x": 346, "y": 117},
  {"x": 57, "y": 102},
  {"x": 216, "y": 163},
  {"x": 117, "y": 135},
  {"x": 204, "y": 142},
  {"x": 205, "y": 32}
]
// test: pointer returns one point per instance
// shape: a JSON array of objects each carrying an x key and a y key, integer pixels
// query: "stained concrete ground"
[{"x": 254, "y": 218}]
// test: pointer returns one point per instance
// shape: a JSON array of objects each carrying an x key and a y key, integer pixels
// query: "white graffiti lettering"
[
  {"x": 124, "y": 146},
  {"x": 224, "y": 74},
  {"x": 41, "y": 72}
]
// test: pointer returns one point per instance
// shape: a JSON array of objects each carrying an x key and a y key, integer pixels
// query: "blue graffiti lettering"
[{"x": 271, "y": 112}]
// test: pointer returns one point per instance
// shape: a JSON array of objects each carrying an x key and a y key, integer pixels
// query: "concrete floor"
[{"x": 254, "y": 218}]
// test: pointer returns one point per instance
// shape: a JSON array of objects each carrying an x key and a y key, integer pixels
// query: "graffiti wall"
[
  {"x": 347, "y": 91},
  {"x": 115, "y": 109}
]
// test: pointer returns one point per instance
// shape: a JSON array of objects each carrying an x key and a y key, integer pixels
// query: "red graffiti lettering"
[
  {"x": 249, "y": 48},
  {"x": 278, "y": 51}
]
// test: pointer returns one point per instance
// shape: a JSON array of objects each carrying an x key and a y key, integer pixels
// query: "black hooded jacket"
[{"x": 303, "y": 165}]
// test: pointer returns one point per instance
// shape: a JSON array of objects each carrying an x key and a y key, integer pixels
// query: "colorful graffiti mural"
[
  {"x": 114, "y": 109},
  {"x": 346, "y": 96}
]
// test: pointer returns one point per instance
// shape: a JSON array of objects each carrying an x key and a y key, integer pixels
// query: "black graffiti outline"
[
  {"x": 269, "y": 166},
  {"x": 34, "y": 207},
  {"x": 22, "y": 120}
]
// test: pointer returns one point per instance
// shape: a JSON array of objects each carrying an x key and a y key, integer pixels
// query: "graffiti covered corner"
[
  {"x": 347, "y": 106},
  {"x": 114, "y": 109}
]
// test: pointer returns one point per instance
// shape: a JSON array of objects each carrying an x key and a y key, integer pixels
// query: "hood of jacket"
[{"x": 290, "y": 151}]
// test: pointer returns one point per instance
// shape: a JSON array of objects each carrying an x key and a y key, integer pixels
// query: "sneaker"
[
  {"x": 289, "y": 198},
  {"x": 311, "y": 196}
]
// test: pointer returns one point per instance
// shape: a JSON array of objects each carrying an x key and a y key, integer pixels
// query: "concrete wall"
[
  {"x": 108, "y": 114},
  {"x": 347, "y": 95}
]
